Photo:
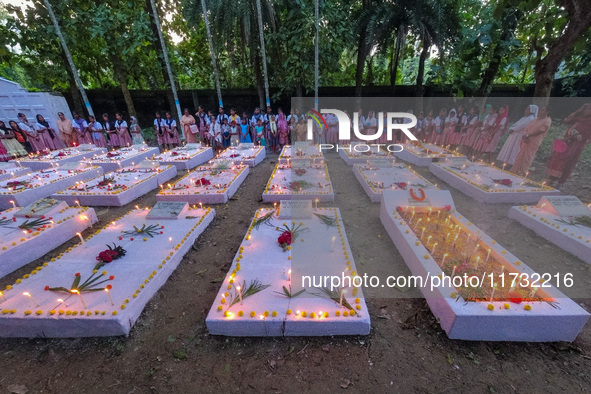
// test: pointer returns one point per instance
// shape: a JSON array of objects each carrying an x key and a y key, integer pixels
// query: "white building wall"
[{"x": 15, "y": 99}]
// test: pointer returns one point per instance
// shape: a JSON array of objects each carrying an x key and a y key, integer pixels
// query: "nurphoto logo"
[{"x": 395, "y": 121}]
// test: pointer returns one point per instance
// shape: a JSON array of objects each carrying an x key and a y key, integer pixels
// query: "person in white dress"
[{"x": 512, "y": 145}]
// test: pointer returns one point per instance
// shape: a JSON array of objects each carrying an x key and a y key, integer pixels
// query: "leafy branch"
[{"x": 255, "y": 287}]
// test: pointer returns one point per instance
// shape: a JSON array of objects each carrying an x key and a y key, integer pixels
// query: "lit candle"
[
  {"x": 453, "y": 272},
  {"x": 433, "y": 250},
  {"x": 30, "y": 297},
  {"x": 275, "y": 206},
  {"x": 81, "y": 239},
  {"x": 443, "y": 261},
  {"x": 161, "y": 188},
  {"x": 201, "y": 205},
  {"x": 476, "y": 248},
  {"x": 2, "y": 298},
  {"x": 77, "y": 203},
  {"x": 239, "y": 294},
  {"x": 504, "y": 165},
  {"x": 447, "y": 239},
  {"x": 417, "y": 224},
  {"x": 109, "y": 295},
  {"x": 248, "y": 239},
  {"x": 119, "y": 163},
  {"x": 332, "y": 243},
  {"x": 428, "y": 239},
  {"x": 487, "y": 256},
  {"x": 342, "y": 295},
  {"x": 13, "y": 204},
  {"x": 316, "y": 205},
  {"x": 137, "y": 207},
  {"x": 533, "y": 292},
  {"x": 422, "y": 233},
  {"x": 477, "y": 262},
  {"x": 492, "y": 294},
  {"x": 170, "y": 240},
  {"x": 289, "y": 275}
]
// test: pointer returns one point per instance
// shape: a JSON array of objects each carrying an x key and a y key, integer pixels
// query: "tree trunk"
[
  {"x": 74, "y": 92},
  {"x": 422, "y": 58},
  {"x": 398, "y": 56},
  {"x": 579, "y": 21},
  {"x": 510, "y": 19},
  {"x": 121, "y": 77},
  {"x": 159, "y": 52},
  {"x": 361, "y": 55}
]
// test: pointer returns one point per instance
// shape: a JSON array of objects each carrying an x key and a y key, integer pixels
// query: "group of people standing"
[
  {"x": 478, "y": 133},
  {"x": 221, "y": 131},
  {"x": 23, "y": 137}
]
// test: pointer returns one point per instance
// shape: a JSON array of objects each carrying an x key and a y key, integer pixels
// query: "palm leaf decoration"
[
  {"x": 33, "y": 224},
  {"x": 577, "y": 221},
  {"x": 335, "y": 295},
  {"x": 151, "y": 230},
  {"x": 255, "y": 287},
  {"x": 263, "y": 219},
  {"x": 287, "y": 293},
  {"x": 329, "y": 221}
]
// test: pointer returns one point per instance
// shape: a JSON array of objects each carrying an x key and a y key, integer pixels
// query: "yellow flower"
[
  {"x": 507, "y": 306},
  {"x": 220, "y": 308},
  {"x": 240, "y": 313},
  {"x": 252, "y": 314},
  {"x": 289, "y": 311},
  {"x": 325, "y": 314},
  {"x": 114, "y": 313},
  {"x": 304, "y": 314},
  {"x": 345, "y": 313},
  {"x": 274, "y": 313},
  {"x": 337, "y": 313},
  {"x": 527, "y": 307},
  {"x": 27, "y": 313},
  {"x": 491, "y": 307}
]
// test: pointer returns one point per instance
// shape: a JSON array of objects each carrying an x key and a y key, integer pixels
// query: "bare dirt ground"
[{"x": 170, "y": 350}]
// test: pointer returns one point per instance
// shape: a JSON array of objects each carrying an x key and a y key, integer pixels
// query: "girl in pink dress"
[
  {"x": 109, "y": 127},
  {"x": 96, "y": 132},
  {"x": 499, "y": 128},
  {"x": 122, "y": 132},
  {"x": 449, "y": 126},
  {"x": 81, "y": 128},
  {"x": 172, "y": 135},
  {"x": 283, "y": 129},
  {"x": 485, "y": 132},
  {"x": 48, "y": 133},
  {"x": 468, "y": 132}
]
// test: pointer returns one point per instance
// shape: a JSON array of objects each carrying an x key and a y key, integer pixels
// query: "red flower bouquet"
[
  {"x": 112, "y": 154},
  {"x": 61, "y": 154},
  {"x": 401, "y": 185},
  {"x": 202, "y": 182},
  {"x": 284, "y": 240},
  {"x": 107, "y": 256},
  {"x": 300, "y": 171},
  {"x": 505, "y": 182}
]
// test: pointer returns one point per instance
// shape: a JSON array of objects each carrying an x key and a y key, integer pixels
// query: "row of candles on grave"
[
  {"x": 448, "y": 237},
  {"x": 238, "y": 288},
  {"x": 60, "y": 300},
  {"x": 452, "y": 228}
]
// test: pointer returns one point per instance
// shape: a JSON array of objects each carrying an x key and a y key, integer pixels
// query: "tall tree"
[{"x": 579, "y": 22}]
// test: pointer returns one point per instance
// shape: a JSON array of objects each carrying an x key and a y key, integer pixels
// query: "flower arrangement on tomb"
[
  {"x": 15, "y": 185},
  {"x": 113, "y": 154},
  {"x": 300, "y": 171},
  {"x": 93, "y": 282},
  {"x": 35, "y": 224},
  {"x": 149, "y": 230},
  {"x": 298, "y": 186},
  {"x": 505, "y": 181},
  {"x": 289, "y": 234}
]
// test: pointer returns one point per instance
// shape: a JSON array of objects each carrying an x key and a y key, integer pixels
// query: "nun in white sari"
[{"x": 512, "y": 144}]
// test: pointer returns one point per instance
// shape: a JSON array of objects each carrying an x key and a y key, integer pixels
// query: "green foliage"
[{"x": 114, "y": 40}]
